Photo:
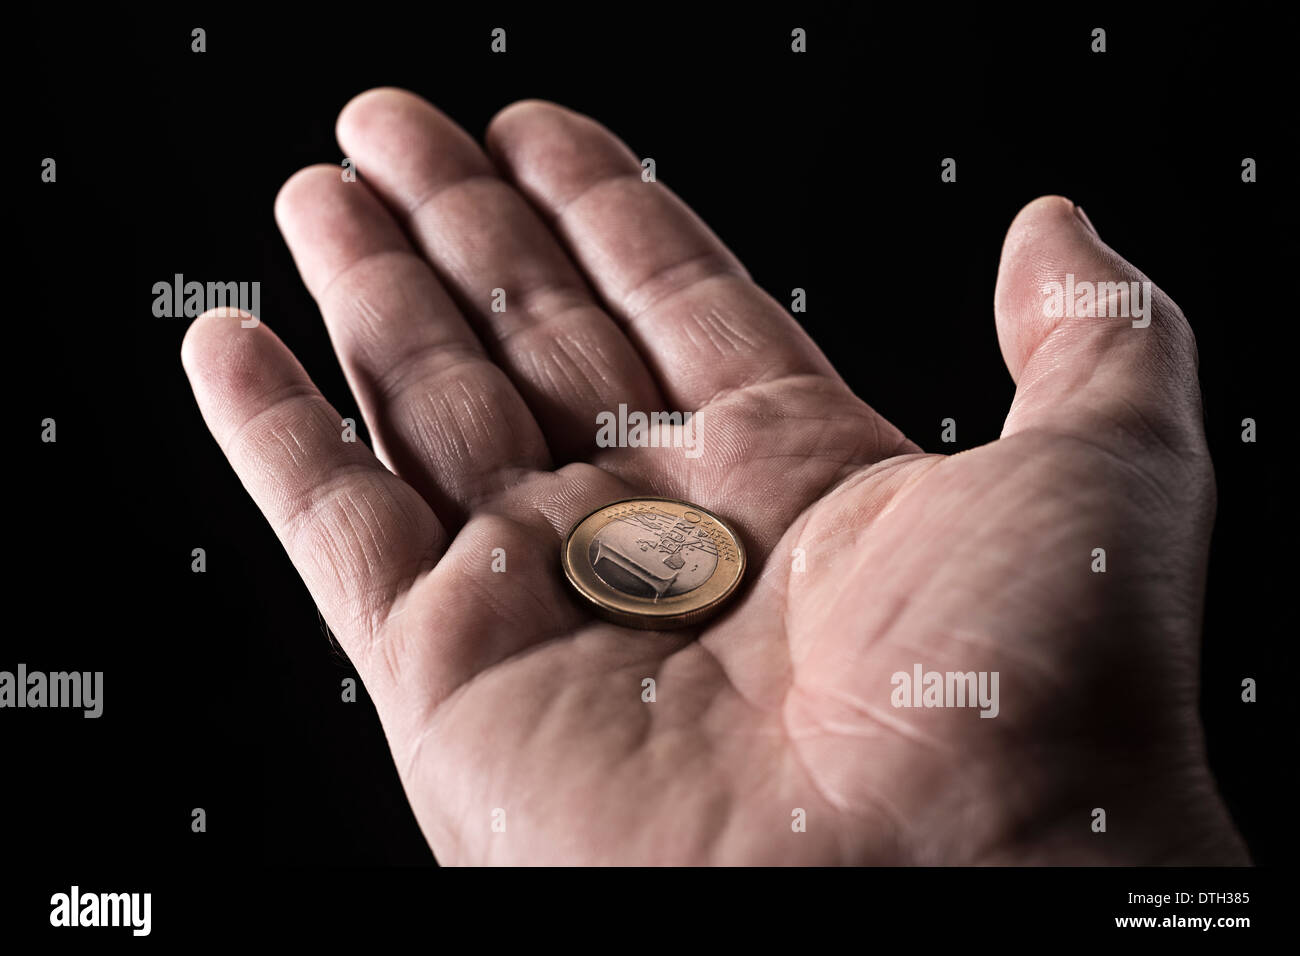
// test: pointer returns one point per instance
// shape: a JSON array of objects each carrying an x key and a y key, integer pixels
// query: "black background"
[{"x": 820, "y": 170}]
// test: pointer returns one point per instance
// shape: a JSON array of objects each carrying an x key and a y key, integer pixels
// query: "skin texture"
[{"x": 499, "y": 691}]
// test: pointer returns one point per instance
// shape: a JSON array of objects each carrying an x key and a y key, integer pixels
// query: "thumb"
[{"x": 1095, "y": 348}]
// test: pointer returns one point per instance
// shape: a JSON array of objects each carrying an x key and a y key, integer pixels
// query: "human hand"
[{"x": 499, "y": 691}]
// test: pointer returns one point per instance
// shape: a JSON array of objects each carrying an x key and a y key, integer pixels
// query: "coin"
[{"x": 653, "y": 563}]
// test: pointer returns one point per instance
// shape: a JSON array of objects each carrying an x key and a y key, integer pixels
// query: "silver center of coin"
[{"x": 653, "y": 554}]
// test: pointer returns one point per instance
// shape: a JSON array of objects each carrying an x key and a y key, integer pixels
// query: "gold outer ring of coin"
[{"x": 666, "y": 613}]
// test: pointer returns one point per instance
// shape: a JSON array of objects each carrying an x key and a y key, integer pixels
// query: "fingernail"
[{"x": 1078, "y": 211}]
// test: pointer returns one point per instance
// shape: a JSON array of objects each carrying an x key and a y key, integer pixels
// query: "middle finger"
[{"x": 567, "y": 357}]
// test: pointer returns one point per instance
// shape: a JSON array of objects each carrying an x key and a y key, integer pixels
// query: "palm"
[
  {"x": 784, "y": 704},
  {"x": 518, "y": 722},
  {"x": 602, "y": 763}
]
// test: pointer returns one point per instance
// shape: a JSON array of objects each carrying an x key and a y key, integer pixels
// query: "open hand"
[{"x": 499, "y": 692}]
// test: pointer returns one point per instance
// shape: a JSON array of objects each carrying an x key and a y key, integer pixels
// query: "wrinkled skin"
[{"x": 498, "y": 691}]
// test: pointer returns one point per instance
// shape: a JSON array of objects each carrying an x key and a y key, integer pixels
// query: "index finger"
[{"x": 703, "y": 325}]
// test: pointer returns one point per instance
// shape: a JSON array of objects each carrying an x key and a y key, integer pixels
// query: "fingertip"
[
  {"x": 213, "y": 335},
  {"x": 524, "y": 111},
  {"x": 1082, "y": 328},
  {"x": 300, "y": 186},
  {"x": 377, "y": 97},
  {"x": 375, "y": 106},
  {"x": 1050, "y": 206},
  {"x": 1046, "y": 239},
  {"x": 552, "y": 152},
  {"x": 525, "y": 120}
]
